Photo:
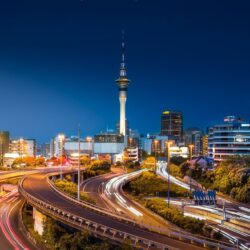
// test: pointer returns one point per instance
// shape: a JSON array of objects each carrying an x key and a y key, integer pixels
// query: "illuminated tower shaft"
[
  {"x": 123, "y": 83},
  {"x": 123, "y": 99}
]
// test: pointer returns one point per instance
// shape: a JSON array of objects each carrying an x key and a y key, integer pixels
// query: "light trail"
[
  {"x": 5, "y": 224},
  {"x": 112, "y": 191},
  {"x": 161, "y": 170}
]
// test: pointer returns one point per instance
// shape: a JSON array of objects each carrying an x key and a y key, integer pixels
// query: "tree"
[
  {"x": 85, "y": 160},
  {"x": 175, "y": 170},
  {"x": 149, "y": 162},
  {"x": 177, "y": 160},
  {"x": 39, "y": 161}
]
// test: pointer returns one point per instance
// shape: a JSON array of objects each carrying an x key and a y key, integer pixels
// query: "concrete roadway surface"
[
  {"x": 106, "y": 190},
  {"x": 233, "y": 210},
  {"x": 113, "y": 194},
  {"x": 11, "y": 237},
  {"x": 5, "y": 175},
  {"x": 94, "y": 186},
  {"x": 37, "y": 186}
]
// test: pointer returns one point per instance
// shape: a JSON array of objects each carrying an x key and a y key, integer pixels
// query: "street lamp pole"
[
  {"x": 168, "y": 170},
  {"x": 79, "y": 163},
  {"x": 155, "y": 144},
  {"x": 190, "y": 170},
  {"x": 61, "y": 138}
]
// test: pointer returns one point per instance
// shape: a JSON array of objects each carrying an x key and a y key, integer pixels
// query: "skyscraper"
[
  {"x": 172, "y": 124},
  {"x": 123, "y": 83}
]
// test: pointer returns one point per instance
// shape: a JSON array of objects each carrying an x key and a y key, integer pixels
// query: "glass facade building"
[
  {"x": 229, "y": 139},
  {"x": 172, "y": 124}
]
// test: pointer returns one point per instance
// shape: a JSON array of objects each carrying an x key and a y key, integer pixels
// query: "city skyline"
[{"x": 194, "y": 60}]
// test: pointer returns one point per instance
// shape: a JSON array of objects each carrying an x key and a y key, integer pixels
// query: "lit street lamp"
[
  {"x": 191, "y": 146},
  {"x": 168, "y": 168},
  {"x": 155, "y": 148},
  {"x": 61, "y": 139},
  {"x": 79, "y": 164},
  {"x": 89, "y": 140}
]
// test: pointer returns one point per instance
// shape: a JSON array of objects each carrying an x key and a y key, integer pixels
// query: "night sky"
[{"x": 59, "y": 61}]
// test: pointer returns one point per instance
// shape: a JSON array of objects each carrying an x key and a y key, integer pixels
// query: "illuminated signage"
[{"x": 245, "y": 125}]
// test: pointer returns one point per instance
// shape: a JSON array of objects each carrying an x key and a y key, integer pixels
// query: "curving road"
[
  {"x": 94, "y": 187},
  {"x": 11, "y": 236},
  {"x": 106, "y": 190},
  {"x": 234, "y": 210},
  {"x": 38, "y": 187}
]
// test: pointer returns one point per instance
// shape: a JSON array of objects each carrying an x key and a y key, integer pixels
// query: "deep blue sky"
[{"x": 59, "y": 61}]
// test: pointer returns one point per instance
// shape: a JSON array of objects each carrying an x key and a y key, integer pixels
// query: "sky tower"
[{"x": 123, "y": 83}]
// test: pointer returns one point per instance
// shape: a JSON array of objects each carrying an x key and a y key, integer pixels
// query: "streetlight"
[
  {"x": 169, "y": 143},
  {"x": 1, "y": 141},
  {"x": 89, "y": 139},
  {"x": 191, "y": 146},
  {"x": 22, "y": 147},
  {"x": 79, "y": 163},
  {"x": 61, "y": 138},
  {"x": 155, "y": 147}
]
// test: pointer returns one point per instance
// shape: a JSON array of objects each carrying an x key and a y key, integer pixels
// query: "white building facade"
[{"x": 229, "y": 139}]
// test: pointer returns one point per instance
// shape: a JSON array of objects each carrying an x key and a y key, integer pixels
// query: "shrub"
[
  {"x": 190, "y": 224},
  {"x": 71, "y": 189},
  {"x": 149, "y": 184}
]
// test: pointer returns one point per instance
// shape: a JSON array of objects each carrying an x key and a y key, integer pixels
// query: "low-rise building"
[
  {"x": 71, "y": 146},
  {"x": 176, "y": 151},
  {"x": 109, "y": 143},
  {"x": 154, "y": 143},
  {"x": 9, "y": 159},
  {"x": 23, "y": 147},
  {"x": 131, "y": 154}
]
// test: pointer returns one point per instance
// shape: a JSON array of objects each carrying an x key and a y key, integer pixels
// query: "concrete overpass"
[{"x": 39, "y": 193}]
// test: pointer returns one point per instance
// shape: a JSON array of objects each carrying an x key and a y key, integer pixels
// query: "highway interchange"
[
  {"x": 233, "y": 210},
  {"x": 107, "y": 191}
]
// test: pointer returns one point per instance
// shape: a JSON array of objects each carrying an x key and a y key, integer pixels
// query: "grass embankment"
[
  {"x": 149, "y": 184},
  {"x": 70, "y": 188},
  {"x": 171, "y": 214}
]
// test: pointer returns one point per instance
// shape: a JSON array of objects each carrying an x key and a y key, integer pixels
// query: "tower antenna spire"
[{"x": 123, "y": 47}]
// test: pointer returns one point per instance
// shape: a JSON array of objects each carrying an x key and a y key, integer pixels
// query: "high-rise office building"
[
  {"x": 172, "y": 124},
  {"x": 4, "y": 144},
  {"x": 232, "y": 138},
  {"x": 194, "y": 136}
]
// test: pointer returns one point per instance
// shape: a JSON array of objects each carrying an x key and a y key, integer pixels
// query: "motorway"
[
  {"x": 233, "y": 210},
  {"x": 94, "y": 187},
  {"x": 11, "y": 236},
  {"x": 37, "y": 186},
  {"x": 106, "y": 190}
]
